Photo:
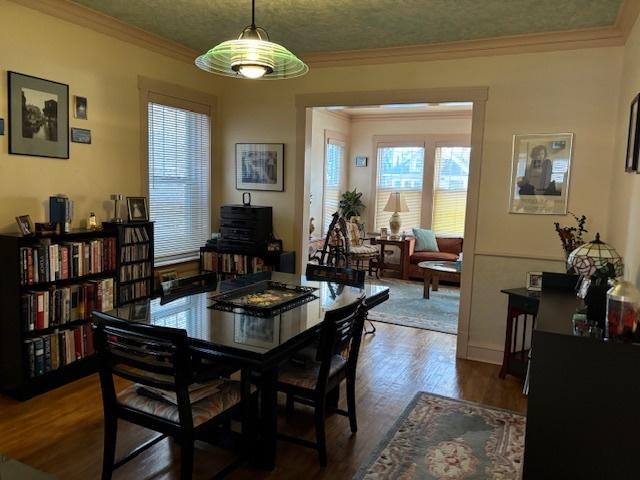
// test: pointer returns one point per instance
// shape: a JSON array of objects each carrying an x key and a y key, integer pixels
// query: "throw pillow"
[{"x": 425, "y": 240}]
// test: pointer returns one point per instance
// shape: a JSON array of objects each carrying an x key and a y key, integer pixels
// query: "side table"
[
  {"x": 521, "y": 317},
  {"x": 402, "y": 245}
]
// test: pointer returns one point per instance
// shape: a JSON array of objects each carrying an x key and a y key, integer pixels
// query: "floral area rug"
[
  {"x": 406, "y": 306},
  {"x": 446, "y": 439}
]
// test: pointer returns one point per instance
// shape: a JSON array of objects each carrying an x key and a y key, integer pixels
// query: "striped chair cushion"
[
  {"x": 226, "y": 396},
  {"x": 306, "y": 375}
]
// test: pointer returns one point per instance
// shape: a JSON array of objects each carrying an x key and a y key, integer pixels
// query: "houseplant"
[
  {"x": 571, "y": 237},
  {"x": 351, "y": 204}
]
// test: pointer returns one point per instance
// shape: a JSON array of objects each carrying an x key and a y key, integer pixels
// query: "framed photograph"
[
  {"x": 260, "y": 166},
  {"x": 534, "y": 281},
  {"x": 1, "y": 126},
  {"x": 38, "y": 117},
  {"x": 361, "y": 161},
  {"x": 80, "y": 135},
  {"x": 25, "y": 224},
  {"x": 383, "y": 233},
  {"x": 540, "y": 171},
  {"x": 137, "y": 208},
  {"x": 80, "y": 107},
  {"x": 631, "y": 163}
]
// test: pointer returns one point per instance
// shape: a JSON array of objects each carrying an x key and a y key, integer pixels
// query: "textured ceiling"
[{"x": 333, "y": 25}]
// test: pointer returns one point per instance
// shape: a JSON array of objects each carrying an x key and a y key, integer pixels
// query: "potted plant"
[{"x": 351, "y": 204}]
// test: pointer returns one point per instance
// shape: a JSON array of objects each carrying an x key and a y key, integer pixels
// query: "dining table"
[{"x": 254, "y": 343}]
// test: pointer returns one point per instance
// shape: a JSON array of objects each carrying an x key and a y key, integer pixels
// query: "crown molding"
[
  {"x": 542, "y": 42},
  {"x": 86, "y": 17},
  {"x": 462, "y": 115}
]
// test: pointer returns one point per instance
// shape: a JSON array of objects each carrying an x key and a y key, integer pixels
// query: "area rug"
[
  {"x": 407, "y": 307},
  {"x": 446, "y": 439}
]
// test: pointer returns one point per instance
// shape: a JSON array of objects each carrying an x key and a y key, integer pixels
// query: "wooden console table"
[
  {"x": 402, "y": 245},
  {"x": 521, "y": 319}
]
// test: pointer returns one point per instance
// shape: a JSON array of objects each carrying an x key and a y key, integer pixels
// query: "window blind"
[
  {"x": 332, "y": 181},
  {"x": 179, "y": 161},
  {"x": 450, "y": 190},
  {"x": 400, "y": 169}
]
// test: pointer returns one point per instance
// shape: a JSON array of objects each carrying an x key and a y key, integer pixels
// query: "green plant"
[{"x": 351, "y": 204}]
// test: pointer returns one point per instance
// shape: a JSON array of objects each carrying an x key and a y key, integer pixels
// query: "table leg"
[
  {"x": 511, "y": 315},
  {"x": 269, "y": 419},
  {"x": 427, "y": 284},
  {"x": 435, "y": 282}
]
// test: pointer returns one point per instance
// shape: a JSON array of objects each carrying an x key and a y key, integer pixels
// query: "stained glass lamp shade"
[
  {"x": 252, "y": 56},
  {"x": 596, "y": 258}
]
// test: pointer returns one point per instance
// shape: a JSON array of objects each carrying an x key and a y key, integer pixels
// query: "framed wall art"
[
  {"x": 80, "y": 107},
  {"x": 631, "y": 163},
  {"x": 80, "y": 135},
  {"x": 260, "y": 166},
  {"x": 38, "y": 117},
  {"x": 540, "y": 171}
]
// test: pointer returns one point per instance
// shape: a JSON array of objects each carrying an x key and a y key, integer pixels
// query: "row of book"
[
  {"x": 210, "y": 261},
  {"x": 134, "y": 253},
  {"x": 49, "y": 262},
  {"x": 50, "y": 352},
  {"x": 135, "y": 234},
  {"x": 61, "y": 305},
  {"x": 240, "y": 264},
  {"x": 135, "y": 271},
  {"x": 134, "y": 290}
]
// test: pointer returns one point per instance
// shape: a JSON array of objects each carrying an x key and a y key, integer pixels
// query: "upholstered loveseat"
[{"x": 449, "y": 250}]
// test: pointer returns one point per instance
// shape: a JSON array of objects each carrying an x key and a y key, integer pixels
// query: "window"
[
  {"x": 179, "y": 164},
  {"x": 400, "y": 169},
  {"x": 334, "y": 160},
  {"x": 450, "y": 190}
]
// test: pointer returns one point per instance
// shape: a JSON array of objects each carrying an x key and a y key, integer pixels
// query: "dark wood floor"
[{"x": 61, "y": 432}]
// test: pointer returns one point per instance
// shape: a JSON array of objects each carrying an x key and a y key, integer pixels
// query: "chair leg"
[
  {"x": 186, "y": 459},
  {"x": 333, "y": 398},
  {"x": 321, "y": 440},
  {"x": 290, "y": 402},
  {"x": 351, "y": 403},
  {"x": 110, "y": 436}
]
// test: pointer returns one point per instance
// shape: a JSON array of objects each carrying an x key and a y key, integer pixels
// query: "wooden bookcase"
[
  {"x": 18, "y": 376},
  {"x": 229, "y": 263}
]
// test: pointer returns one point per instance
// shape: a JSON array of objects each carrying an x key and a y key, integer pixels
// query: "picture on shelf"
[
  {"x": 274, "y": 245},
  {"x": 137, "y": 208},
  {"x": 534, "y": 281},
  {"x": 541, "y": 164},
  {"x": 25, "y": 224},
  {"x": 38, "y": 117},
  {"x": 80, "y": 135},
  {"x": 260, "y": 166},
  {"x": 80, "y": 107}
]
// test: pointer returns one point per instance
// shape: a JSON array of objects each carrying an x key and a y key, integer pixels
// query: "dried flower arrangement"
[{"x": 571, "y": 237}]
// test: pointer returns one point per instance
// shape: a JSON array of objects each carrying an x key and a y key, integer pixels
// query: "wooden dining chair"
[
  {"x": 316, "y": 380},
  {"x": 163, "y": 397}
]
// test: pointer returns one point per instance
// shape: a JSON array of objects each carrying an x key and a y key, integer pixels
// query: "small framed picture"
[
  {"x": 274, "y": 245},
  {"x": 631, "y": 164},
  {"x": 383, "y": 233},
  {"x": 137, "y": 208},
  {"x": 534, "y": 281},
  {"x": 361, "y": 161},
  {"x": 80, "y": 135},
  {"x": 25, "y": 224},
  {"x": 80, "y": 107},
  {"x": 1, "y": 126}
]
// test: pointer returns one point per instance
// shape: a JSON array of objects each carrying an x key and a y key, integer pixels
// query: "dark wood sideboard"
[{"x": 583, "y": 418}]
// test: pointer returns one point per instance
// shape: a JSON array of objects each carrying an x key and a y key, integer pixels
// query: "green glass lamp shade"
[{"x": 596, "y": 258}]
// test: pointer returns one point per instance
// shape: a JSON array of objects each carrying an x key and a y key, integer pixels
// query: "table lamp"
[{"x": 395, "y": 204}]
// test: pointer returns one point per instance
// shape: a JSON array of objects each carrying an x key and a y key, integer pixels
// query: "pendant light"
[{"x": 252, "y": 56}]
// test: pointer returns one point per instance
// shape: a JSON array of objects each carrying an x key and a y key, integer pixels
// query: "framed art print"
[
  {"x": 631, "y": 163},
  {"x": 137, "y": 209},
  {"x": 260, "y": 166},
  {"x": 80, "y": 107},
  {"x": 38, "y": 117},
  {"x": 80, "y": 135},
  {"x": 540, "y": 171}
]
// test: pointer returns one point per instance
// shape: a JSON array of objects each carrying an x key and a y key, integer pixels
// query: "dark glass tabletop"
[{"x": 241, "y": 331}]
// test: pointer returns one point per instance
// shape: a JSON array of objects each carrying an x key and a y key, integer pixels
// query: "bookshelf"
[
  {"x": 232, "y": 263},
  {"x": 49, "y": 286},
  {"x": 134, "y": 280}
]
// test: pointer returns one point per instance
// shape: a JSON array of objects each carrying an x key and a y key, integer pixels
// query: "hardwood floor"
[{"x": 61, "y": 432}]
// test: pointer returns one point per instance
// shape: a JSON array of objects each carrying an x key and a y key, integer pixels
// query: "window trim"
[{"x": 339, "y": 139}]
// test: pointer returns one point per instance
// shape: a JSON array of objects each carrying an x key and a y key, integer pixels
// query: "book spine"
[
  {"x": 38, "y": 356},
  {"x": 47, "y": 352},
  {"x": 31, "y": 357}
]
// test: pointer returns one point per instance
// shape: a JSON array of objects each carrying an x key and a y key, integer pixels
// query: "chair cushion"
[
  {"x": 364, "y": 250},
  {"x": 432, "y": 256},
  {"x": 450, "y": 244},
  {"x": 425, "y": 240},
  {"x": 305, "y": 374},
  {"x": 226, "y": 396}
]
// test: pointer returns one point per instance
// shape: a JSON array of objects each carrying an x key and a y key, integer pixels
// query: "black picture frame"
[
  {"x": 80, "y": 107},
  {"x": 25, "y": 224},
  {"x": 49, "y": 109},
  {"x": 631, "y": 160},
  {"x": 260, "y": 166},
  {"x": 137, "y": 209},
  {"x": 81, "y": 135},
  {"x": 274, "y": 245},
  {"x": 1, "y": 126}
]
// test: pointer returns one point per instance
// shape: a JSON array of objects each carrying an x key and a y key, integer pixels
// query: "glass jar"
[{"x": 623, "y": 308}]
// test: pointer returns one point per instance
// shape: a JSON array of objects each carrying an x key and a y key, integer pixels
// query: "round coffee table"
[{"x": 433, "y": 270}]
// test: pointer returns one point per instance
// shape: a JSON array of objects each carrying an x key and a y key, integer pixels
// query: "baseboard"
[{"x": 486, "y": 354}]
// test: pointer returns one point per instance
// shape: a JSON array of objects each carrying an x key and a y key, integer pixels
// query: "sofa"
[{"x": 450, "y": 249}]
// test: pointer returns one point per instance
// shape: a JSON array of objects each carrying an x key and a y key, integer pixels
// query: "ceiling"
[{"x": 306, "y": 26}]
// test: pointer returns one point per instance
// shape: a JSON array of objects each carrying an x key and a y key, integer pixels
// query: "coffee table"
[{"x": 432, "y": 271}]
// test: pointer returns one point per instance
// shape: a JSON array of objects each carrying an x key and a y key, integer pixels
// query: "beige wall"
[
  {"x": 105, "y": 71},
  {"x": 624, "y": 217}
]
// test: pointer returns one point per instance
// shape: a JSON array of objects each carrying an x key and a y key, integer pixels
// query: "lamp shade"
[
  {"x": 396, "y": 203},
  {"x": 596, "y": 258}
]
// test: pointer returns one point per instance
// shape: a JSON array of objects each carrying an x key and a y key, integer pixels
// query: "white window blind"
[
  {"x": 451, "y": 181},
  {"x": 400, "y": 169},
  {"x": 332, "y": 181},
  {"x": 179, "y": 160}
]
